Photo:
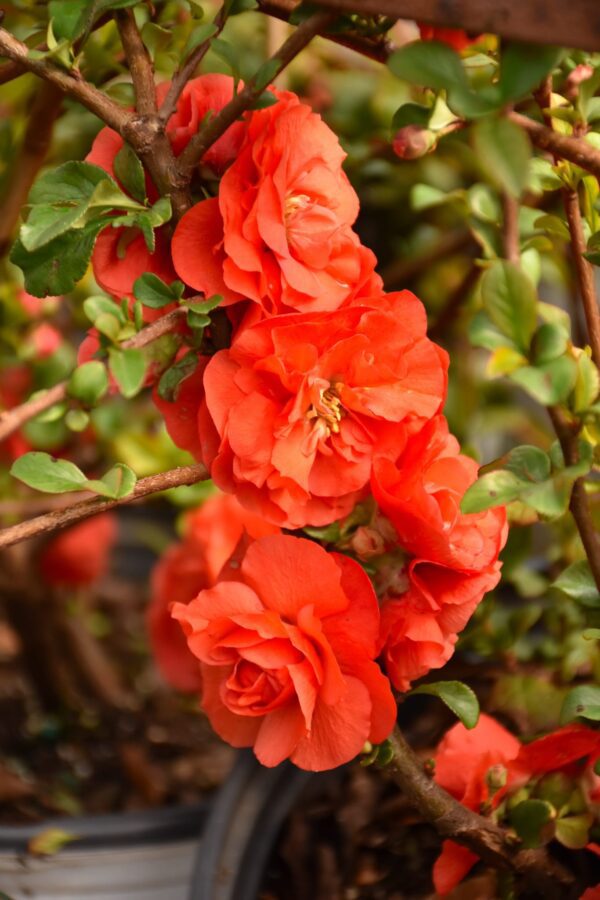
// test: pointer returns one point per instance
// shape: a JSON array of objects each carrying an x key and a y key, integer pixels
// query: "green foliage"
[
  {"x": 175, "y": 374},
  {"x": 581, "y": 702},
  {"x": 89, "y": 383},
  {"x": 58, "y": 476},
  {"x": 130, "y": 172},
  {"x": 56, "y": 267},
  {"x": 150, "y": 290},
  {"x": 128, "y": 368},
  {"x": 503, "y": 152},
  {"x": 510, "y": 300},
  {"x": 531, "y": 819},
  {"x": 74, "y": 19},
  {"x": 578, "y": 582},
  {"x": 457, "y": 696}
]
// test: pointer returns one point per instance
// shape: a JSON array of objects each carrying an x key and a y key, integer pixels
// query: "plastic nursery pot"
[
  {"x": 127, "y": 856},
  {"x": 243, "y": 825}
]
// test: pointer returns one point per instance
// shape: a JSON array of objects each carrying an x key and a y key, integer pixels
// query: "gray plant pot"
[{"x": 130, "y": 856}]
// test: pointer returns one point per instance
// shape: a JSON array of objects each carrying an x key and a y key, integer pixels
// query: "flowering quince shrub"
[{"x": 222, "y": 281}]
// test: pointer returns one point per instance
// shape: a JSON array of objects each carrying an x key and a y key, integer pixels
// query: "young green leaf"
[
  {"x": 510, "y": 300},
  {"x": 88, "y": 383},
  {"x": 530, "y": 819},
  {"x": 524, "y": 66},
  {"x": 117, "y": 483},
  {"x": 578, "y": 583},
  {"x": 504, "y": 152},
  {"x": 45, "y": 473},
  {"x": 457, "y": 696},
  {"x": 130, "y": 172},
  {"x": 582, "y": 702},
  {"x": 128, "y": 368},
  {"x": 150, "y": 290}
]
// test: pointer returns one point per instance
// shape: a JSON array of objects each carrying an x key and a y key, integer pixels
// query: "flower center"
[
  {"x": 294, "y": 203},
  {"x": 327, "y": 410}
]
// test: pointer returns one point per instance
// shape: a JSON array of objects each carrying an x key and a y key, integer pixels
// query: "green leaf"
[
  {"x": 56, "y": 268},
  {"x": 228, "y": 53},
  {"x": 155, "y": 38},
  {"x": 581, "y": 702},
  {"x": 205, "y": 306},
  {"x": 549, "y": 342},
  {"x": 150, "y": 290},
  {"x": 118, "y": 482},
  {"x": 549, "y": 383},
  {"x": 529, "y": 819},
  {"x": 128, "y": 368},
  {"x": 175, "y": 374},
  {"x": 587, "y": 383},
  {"x": 199, "y": 35},
  {"x": 130, "y": 172},
  {"x": 457, "y": 696},
  {"x": 411, "y": 114},
  {"x": 109, "y": 324},
  {"x": 510, "y": 300},
  {"x": 483, "y": 333},
  {"x": 88, "y": 383},
  {"x": 504, "y": 152},
  {"x": 146, "y": 220},
  {"x": 45, "y": 473},
  {"x": 74, "y": 18},
  {"x": 524, "y": 66},
  {"x": 99, "y": 305},
  {"x": 578, "y": 582},
  {"x": 266, "y": 73},
  {"x": 574, "y": 831}
]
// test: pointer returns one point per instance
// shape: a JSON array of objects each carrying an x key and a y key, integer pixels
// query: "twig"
[
  {"x": 61, "y": 518},
  {"x": 377, "y": 48},
  {"x": 9, "y": 71},
  {"x": 185, "y": 72},
  {"x": 575, "y": 149},
  {"x": 13, "y": 419},
  {"x": 88, "y": 95},
  {"x": 579, "y": 503},
  {"x": 207, "y": 136},
  {"x": 45, "y": 110},
  {"x": 510, "y": 228},
  {"x": 139, "y": 62},
  {"x": 453, "y": 820},
  {"x": 584, "y": 271}
]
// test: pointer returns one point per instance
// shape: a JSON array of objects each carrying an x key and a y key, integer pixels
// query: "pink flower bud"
[{"x": 413, "y": 141}]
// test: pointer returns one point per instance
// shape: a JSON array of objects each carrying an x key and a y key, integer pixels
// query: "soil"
[{"x": 160, "y": 750}]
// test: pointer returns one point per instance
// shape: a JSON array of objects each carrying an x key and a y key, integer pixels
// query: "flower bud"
[{"x": 413, "y": 141}]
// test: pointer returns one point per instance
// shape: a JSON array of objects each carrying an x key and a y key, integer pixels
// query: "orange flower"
[
  {"x": 453, "y": 37},
  {"x": 462, "y": 761},
  {"x": 211, "y": 535},
  {"x": 300, "y": 403},
  {"x": 79, "y": 555},
  {"x": 287, "y": 655},
  {"x": 280, "y": 232},
  {"x": 121, "y": 256}
]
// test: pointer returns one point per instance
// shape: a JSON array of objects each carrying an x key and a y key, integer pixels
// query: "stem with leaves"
[{"x": 13, "y": 419}]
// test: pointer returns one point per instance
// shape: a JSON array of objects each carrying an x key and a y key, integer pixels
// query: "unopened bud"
[
  {"x": 496, "y": 778},
  {"x": 413, "y": 141},
  {"x": 367, "y": 542}
]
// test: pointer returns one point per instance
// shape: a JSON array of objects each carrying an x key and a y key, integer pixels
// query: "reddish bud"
[{"x": 413, "y": 141}]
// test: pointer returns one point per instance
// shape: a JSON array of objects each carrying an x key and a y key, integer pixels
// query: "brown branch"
[
  {"x": 575, "y": 149},
  {"x": 573, "y": 24},
  {"x": 207, "y": 136},
  {"x": 453, "y": 820},
  {"x": 579, "y": 505},
  {"x": 510, "y": 228},
  {"x": 88, "y": 95},
  {"x": 13, "y": 419},
  {"x": 61, "y": 518},
  {"x": 584, "y": 271},
  {"x": 9, "y": 71},
  {"x": 377, "y": 48},
  {"x": 139, "y": 63},
  {"x": 32, "y": 153},
  {"x": 187, "y": 69}
]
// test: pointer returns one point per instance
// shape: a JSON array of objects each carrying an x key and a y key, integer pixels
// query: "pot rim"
[{"x": 165, "y": 824}]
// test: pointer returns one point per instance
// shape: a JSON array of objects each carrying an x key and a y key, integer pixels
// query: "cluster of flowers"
[
  {"x": 490, "y": 771},
  {"x": 328, "y": 395}
]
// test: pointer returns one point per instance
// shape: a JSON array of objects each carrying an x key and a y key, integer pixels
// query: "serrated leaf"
[
  {"x": 56, "y": 267},
  {"x": 88, "y": 383},
  {"x": 581, "y": 702},
  {"x": 457, "y": 696},
  {"x": 45, "y": 473},
  {"x": 510, "y": 300},
  {"x": 504, "y": 152},
  {"x": 128, "y": 368},
  {"x": 578, "y": 583}
]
